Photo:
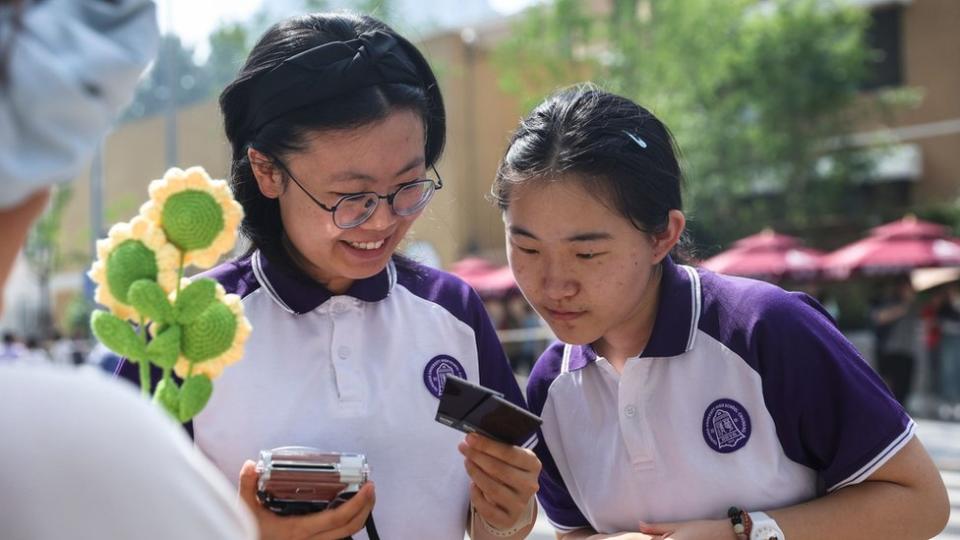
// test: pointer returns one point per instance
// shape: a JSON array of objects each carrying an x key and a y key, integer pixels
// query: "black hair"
[
  {"x": 286, "y": 134},
  {"x": 620, "y": 151}
]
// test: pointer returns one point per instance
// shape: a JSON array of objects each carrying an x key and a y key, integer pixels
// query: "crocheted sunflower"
[
  {"x": 198, "y": 214},
  {"x": 191, "y": 327},
  {"x": 130, "y": 252},
  {"x": 215, "y": 339}
]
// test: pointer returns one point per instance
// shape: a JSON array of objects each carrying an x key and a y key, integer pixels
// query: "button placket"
[
  {"x": 350, "y": 380},
  {"x": 634, "y": 427}
]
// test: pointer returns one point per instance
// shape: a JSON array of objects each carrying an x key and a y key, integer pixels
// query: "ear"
[
  {"x": 269, "y": 176},
  {"x": 663, "y": 242}
]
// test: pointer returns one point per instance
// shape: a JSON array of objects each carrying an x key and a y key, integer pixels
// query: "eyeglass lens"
[{"x": 409, "y": 199}]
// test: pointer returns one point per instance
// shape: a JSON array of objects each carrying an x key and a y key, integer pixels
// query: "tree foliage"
[{"x": 756, "y": 93}]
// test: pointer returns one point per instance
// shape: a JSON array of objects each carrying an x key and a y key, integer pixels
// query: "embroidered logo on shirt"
[
  {"x": 435, "y": 374},
  {"x": 726, "y": 426}
]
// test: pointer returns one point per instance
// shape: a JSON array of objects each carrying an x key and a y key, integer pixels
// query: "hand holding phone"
[{"x": 470, "y": 408}]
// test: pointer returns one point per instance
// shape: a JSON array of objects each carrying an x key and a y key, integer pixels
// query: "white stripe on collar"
[
  {"x": 262, "y": 278},
  {"x": 695, "y": 302},
  {"x": 391, "y": 275},
  {"x": 565, "y": 363}
]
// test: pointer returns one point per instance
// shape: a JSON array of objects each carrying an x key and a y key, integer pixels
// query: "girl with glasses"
[
  {"x": 680, "y": 403},
  {"x": 336, "y": 123}
]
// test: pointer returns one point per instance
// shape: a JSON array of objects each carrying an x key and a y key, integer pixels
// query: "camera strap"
[{"x": 370, "y": 528}]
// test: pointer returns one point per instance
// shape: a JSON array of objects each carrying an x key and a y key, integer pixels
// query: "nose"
[
  {"x": 558, "y": 282},
  {"x": 383, "y": 217}
]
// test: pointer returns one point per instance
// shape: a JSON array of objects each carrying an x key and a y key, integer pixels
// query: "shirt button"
[
  {"x": 630, "y": 411},
  {"x": 343, "y": 352},
  {"x": 339, "y": 308}
]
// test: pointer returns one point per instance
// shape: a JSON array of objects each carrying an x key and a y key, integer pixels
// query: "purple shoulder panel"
[
  {"x": 236, "y": 276},
  {"x": 461, "y": 301},
  {"x": 832, "y": 412},
  {"x": 553, "y": 494}
]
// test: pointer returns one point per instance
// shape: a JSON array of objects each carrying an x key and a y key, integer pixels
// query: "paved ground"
[{"x": 942, "y": 440}]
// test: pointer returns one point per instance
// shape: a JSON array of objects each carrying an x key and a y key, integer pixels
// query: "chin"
[{"x": 573, "y": 336}]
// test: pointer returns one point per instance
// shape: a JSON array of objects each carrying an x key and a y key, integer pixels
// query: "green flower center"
[
  {"x": 211, "y": 334},
  {"x": 192, "y": 219},
  {"x": 128, "y": 262}
]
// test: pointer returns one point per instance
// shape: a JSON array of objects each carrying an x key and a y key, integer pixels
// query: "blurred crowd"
[
  {"x": 57, "y": 350},
  {"x": 916, "y": 342}
]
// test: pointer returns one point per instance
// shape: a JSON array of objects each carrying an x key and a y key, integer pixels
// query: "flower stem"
[{"x": 144, "y": 364}]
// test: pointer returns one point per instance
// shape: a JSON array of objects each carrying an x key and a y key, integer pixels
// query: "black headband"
[{"x": 326, "y": 71}]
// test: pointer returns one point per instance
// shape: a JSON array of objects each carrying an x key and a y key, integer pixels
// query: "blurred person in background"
[
  {"x": 897, "y": 329},
  {"x": 77, "y": 443},
  {"x": 948, "y": 317},
  {"x": 11, "y": 349}
]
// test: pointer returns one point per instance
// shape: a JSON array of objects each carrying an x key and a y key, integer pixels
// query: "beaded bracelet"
[{"x": 737, "y": 520}]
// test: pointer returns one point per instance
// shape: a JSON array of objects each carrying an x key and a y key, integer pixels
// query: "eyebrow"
[
  {"x": 579, "y": 237},
  {"x": 355, "y": 175}
]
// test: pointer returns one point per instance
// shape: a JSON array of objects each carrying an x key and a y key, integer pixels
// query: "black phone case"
[{"x": 470, "y": 408}]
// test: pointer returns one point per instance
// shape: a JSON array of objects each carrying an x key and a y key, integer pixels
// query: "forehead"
[
  {"x": 562, "y": 207},
  {"x": 379, "y": 148}
]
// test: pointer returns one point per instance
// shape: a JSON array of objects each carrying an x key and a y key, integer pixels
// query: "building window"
[{"x": 885, "y": 39}]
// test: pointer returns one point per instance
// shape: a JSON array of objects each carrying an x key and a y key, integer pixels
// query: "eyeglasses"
[{"x": 353, "y": 209}]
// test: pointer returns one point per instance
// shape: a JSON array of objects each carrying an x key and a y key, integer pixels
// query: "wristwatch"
[{"x": 764, "y": 527}]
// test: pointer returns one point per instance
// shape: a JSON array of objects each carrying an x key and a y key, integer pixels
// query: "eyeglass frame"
[{"x": 389, "y": 196}]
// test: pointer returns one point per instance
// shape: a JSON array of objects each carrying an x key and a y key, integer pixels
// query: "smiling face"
[
  {"x": 375, "y": 158},
  {"x": 585, "y": 268}
]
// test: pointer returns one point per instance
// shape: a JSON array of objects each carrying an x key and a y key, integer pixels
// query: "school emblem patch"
[
  {"x": 436, "y": 371},
  {"x": 726, "y": 426}
]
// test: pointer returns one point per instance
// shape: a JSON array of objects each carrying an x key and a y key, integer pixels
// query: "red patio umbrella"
[
  {"x": 767, "y": 255},
  {"x": 895, "y": 248},
  {"x": 487, "y": 278}
]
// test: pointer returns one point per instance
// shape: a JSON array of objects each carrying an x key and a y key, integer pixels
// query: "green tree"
[
  {"x": 756, "y": 93},
  {"x": 229, "y": 46},
  {"x": 175, "y": 71}
]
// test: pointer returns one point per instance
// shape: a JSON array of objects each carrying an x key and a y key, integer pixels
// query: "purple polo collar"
[
  {"x": 299, "y": 294},
  {"x": 678, "y": 315}
]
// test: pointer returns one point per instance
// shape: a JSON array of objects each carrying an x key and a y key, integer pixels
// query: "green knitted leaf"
[
  {"x": 210, "y": 335},
  {"x": 194, "y": 299},
  {"x": 128, "y": 262},
  {"x": 168, "y": 396},
  {"x": 150, "y": 300},
  {"x": 164, "y": 349},
  {"x": 192, "y": 219},
  {"x": 117, "y": 335},
  {"x": 194, "y": 395}
]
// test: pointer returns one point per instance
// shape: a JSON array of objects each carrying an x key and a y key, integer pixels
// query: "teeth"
[{"x": 366, "y": 245}]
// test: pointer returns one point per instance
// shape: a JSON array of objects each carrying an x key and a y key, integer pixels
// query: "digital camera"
[{"x": 301, "y": 480}]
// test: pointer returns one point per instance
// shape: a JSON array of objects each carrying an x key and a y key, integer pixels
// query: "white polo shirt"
[
  {"x": 358, "y": 372},
  {"x": 746, "y": 395},
  {"x": 86, "y": 457}
]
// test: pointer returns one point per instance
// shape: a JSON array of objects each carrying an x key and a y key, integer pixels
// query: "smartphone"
[{"x": 470, "y": 408}]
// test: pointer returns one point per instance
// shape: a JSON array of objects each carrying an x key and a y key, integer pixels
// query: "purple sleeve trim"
[
  {"x": 554, "y": 497},
  {"x": 832, "y": 412}
]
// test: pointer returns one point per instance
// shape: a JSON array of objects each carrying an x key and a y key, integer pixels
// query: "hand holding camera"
[{"x": 294, "y": 484}]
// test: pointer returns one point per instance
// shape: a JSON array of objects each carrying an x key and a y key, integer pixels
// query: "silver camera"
[{"x": 301, "y": 480}]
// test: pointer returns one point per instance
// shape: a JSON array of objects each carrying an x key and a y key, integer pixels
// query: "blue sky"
[{"x": 193, "y": 20}]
